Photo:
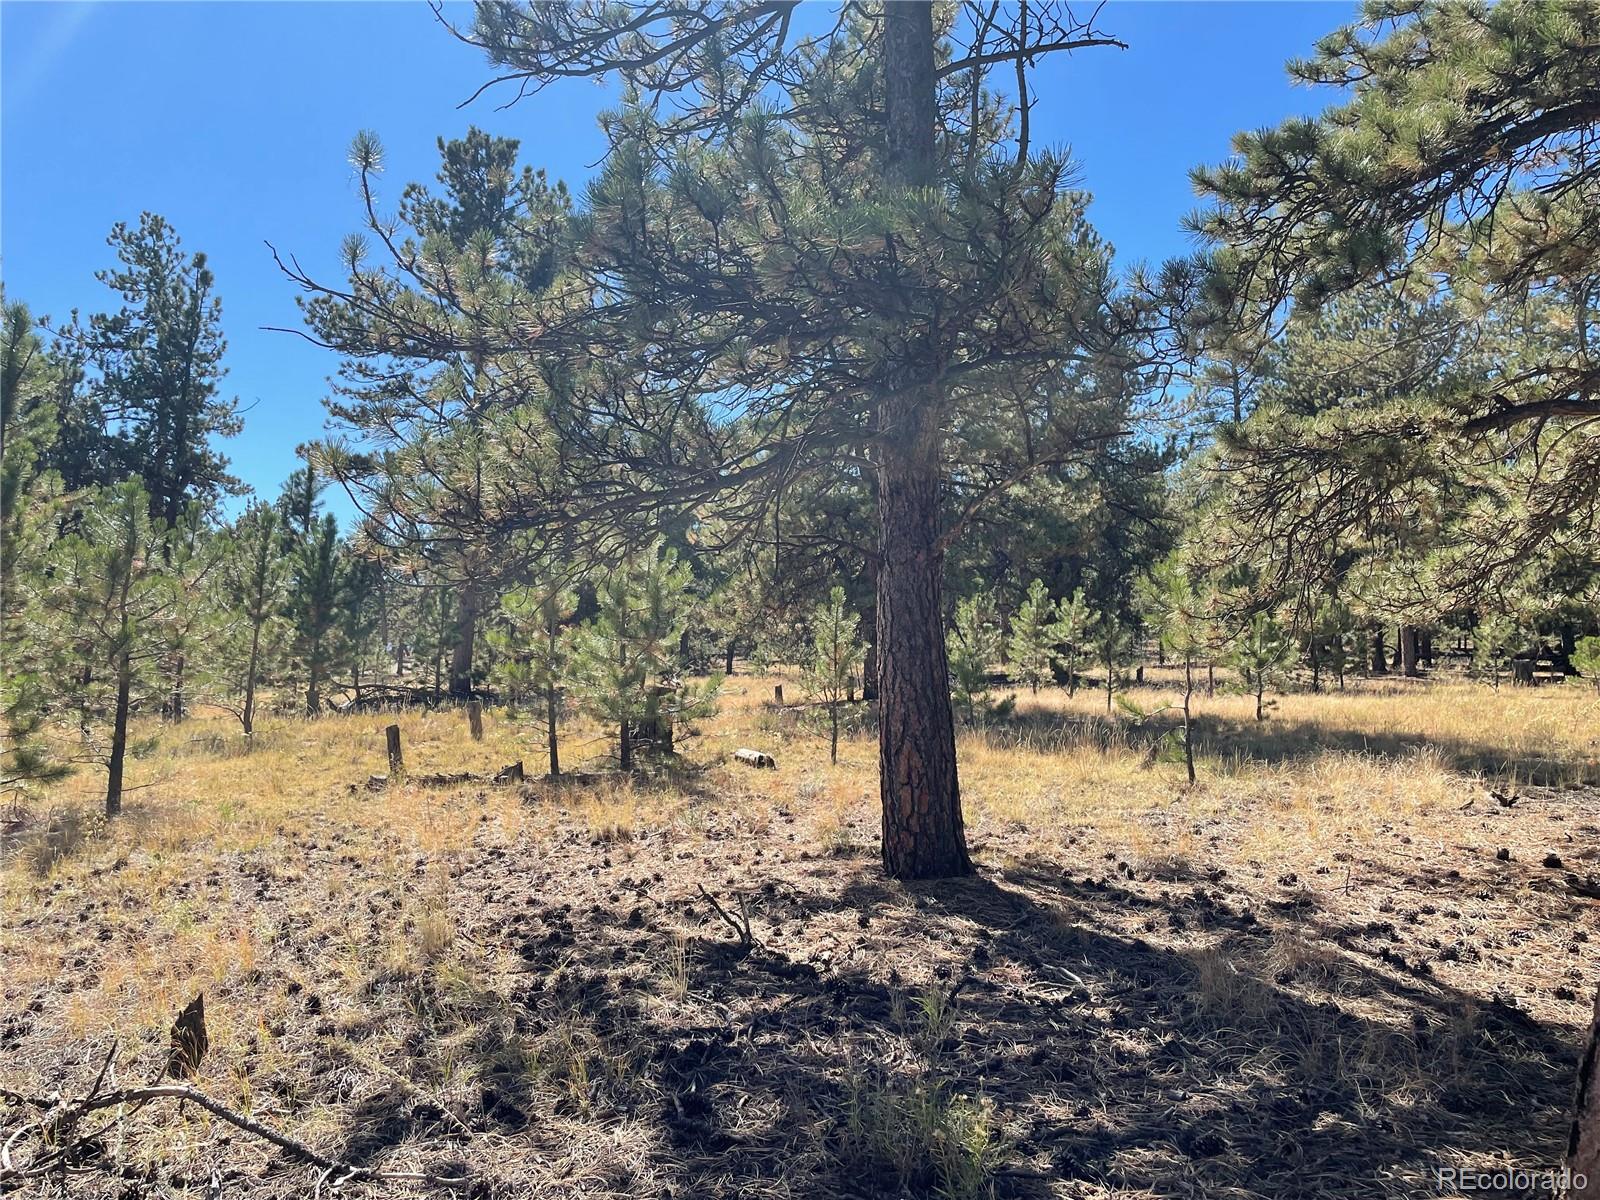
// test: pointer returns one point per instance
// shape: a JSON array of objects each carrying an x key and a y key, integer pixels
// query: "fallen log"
[
  {"x": 759, "y": 759},
  {"x": 511, "y": 773}
]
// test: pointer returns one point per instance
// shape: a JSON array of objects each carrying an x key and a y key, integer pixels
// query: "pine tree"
[
  {"x": 156, "y": 369},
  {"x": 848, "y": 277},
  {"x": 27, "y": 525},
  {"x": 1073, "y": 624},
  {"x": 1112, "y": 638},
  {"x": 1176, "y": 607},
  {"x": 107, "y": 596},
  {"x": 836, "y": 655},
  {"x": 255, "y": 577},
  {"x": 534, "y": 650},
  {"x": 623, "y": 664},
  {"x": 1263, "y": 653},
  {"x": 975, "y": 644},
  {"x": 1035, "y": 634},
  {"x": 317, "y": 596}
]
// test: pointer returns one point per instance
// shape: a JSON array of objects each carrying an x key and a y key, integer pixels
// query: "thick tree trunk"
[
  {"x": 923, "y": 836},
  {"x": 119, "y": 736},
  {"x": 1408, "y": 650},
  {"x": 1380, "y": 659},
  {"x": 728, "y": 659},
  {"x": 624, "y": 748},
  {"x": 465, "y": 641},
  {"x": 1583, "y": 1143}
]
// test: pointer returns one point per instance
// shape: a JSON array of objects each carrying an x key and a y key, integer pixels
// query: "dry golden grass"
[{"x": 355, "y": 943}]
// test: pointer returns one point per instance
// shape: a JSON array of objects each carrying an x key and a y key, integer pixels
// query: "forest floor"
[{"x": 1361, "y": 950}]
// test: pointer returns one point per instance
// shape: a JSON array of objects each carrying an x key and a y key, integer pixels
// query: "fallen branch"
[
  {"x": 740, "y": 925},
  {"x": 61, "y": 1114}
]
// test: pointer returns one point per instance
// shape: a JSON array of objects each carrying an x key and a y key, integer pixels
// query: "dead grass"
[{"x": 1310, "y": 974}]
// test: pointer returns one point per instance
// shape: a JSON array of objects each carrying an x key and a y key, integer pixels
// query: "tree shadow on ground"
[{"x": 1015, "y": 1032}]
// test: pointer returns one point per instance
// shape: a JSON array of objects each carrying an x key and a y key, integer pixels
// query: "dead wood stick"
[
  {"x": 742, "y": 928},
  {"x": 337, "y": 1167}
]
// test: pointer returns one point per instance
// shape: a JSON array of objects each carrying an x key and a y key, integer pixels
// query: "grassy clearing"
[{"x": 1311, "y": 974}]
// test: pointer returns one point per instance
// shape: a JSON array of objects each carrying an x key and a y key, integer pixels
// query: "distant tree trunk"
[
  {"x": 728, "y": 659},
  {"x": 248, "y": 717},
  {"x": 1583, "y": 1142},
  {"x": 176, "y": 701},
  {"x": 1188, "y": 727},
  {"x": 314, "y": 681},
  {"x": 1111, "y": 678},
  {"x": 1316, "y": 664},
  {"x": 1408, "y": 650},
  {"x": 1425, "y": 649},
  {"x": 1397, "y": 662},
  {"x": 624, "y": 748},
  {"x": 923, "y": 834},
  {"x": 833, "y": 736},
  {"x": 1380, "y": 659},
  {"x": 1072, "y": 672},
  {"x": 119, "y": 735},
  {"x": 1211, "y": 679},
  {"x": 465, "y": 641},
  {"x": 550, "y": 705},
  {"x": 1261, "y": 690}
]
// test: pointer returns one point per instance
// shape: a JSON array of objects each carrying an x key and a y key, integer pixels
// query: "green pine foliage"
[
  {"x": 975, "y": 643},
  {"x": 834, "y": 661},
  {"x": 1035, "y": 636},
  {"x": 1263, "y": 653},
  {"x": 534, "y": 651},
  {"x": 624, "y": 667}
]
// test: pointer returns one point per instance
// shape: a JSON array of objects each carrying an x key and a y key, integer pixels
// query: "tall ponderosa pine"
[
  {"x": 420, "y": 383},
  {"x": 1462, "y": 156},
  {"x": 155, "y": 369},
  {"x": 833, "y": 239}
]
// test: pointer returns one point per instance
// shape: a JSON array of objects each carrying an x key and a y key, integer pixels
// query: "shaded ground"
[{"x": 549, "y": 1007}]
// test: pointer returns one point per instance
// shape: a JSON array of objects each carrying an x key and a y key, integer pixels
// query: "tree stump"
[
  {"x": 475, "y": 719},
  {"x": 777, "y": 695},
  {"x": 396, "y": 761}
]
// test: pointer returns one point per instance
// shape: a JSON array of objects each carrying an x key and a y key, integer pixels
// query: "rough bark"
[
  {"x": 1583, "y": 1143},
  {"x": 119, "y": 736},
  {"x": 550, "y": 705},
  {"x": 465, "y": 642},
  {"x": 1380, "y": 658},
  {"x": 1408, "y": 650},
  {"x": 248, "y": 716},
  {"x": 923, "y": 834}
]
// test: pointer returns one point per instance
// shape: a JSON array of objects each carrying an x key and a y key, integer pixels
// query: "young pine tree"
[
  {"x": 1112, "y": 639},
  {"x": 975, "y": 644},
  {"x": 109, "y": 594},
  {"x": 255, "y": 581},
  {"x": 1263, "y": 654},
  {"x": 1073, "y": 623},
  {"x": 623, "y": 663},
  {"x": 1035, "y": 634},
  {"x": 534, "y": 651},
  {"x": 317, "y": 597},
  {"x": 1176, "y": 609},
  {"x": 836, "y": 656}
]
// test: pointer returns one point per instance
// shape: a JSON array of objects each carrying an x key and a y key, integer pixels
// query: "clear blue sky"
[{"x": 233, "y": 120}]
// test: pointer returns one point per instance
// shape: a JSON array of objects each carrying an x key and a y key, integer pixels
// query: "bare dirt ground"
[{"x": 1315, "y": 975}]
